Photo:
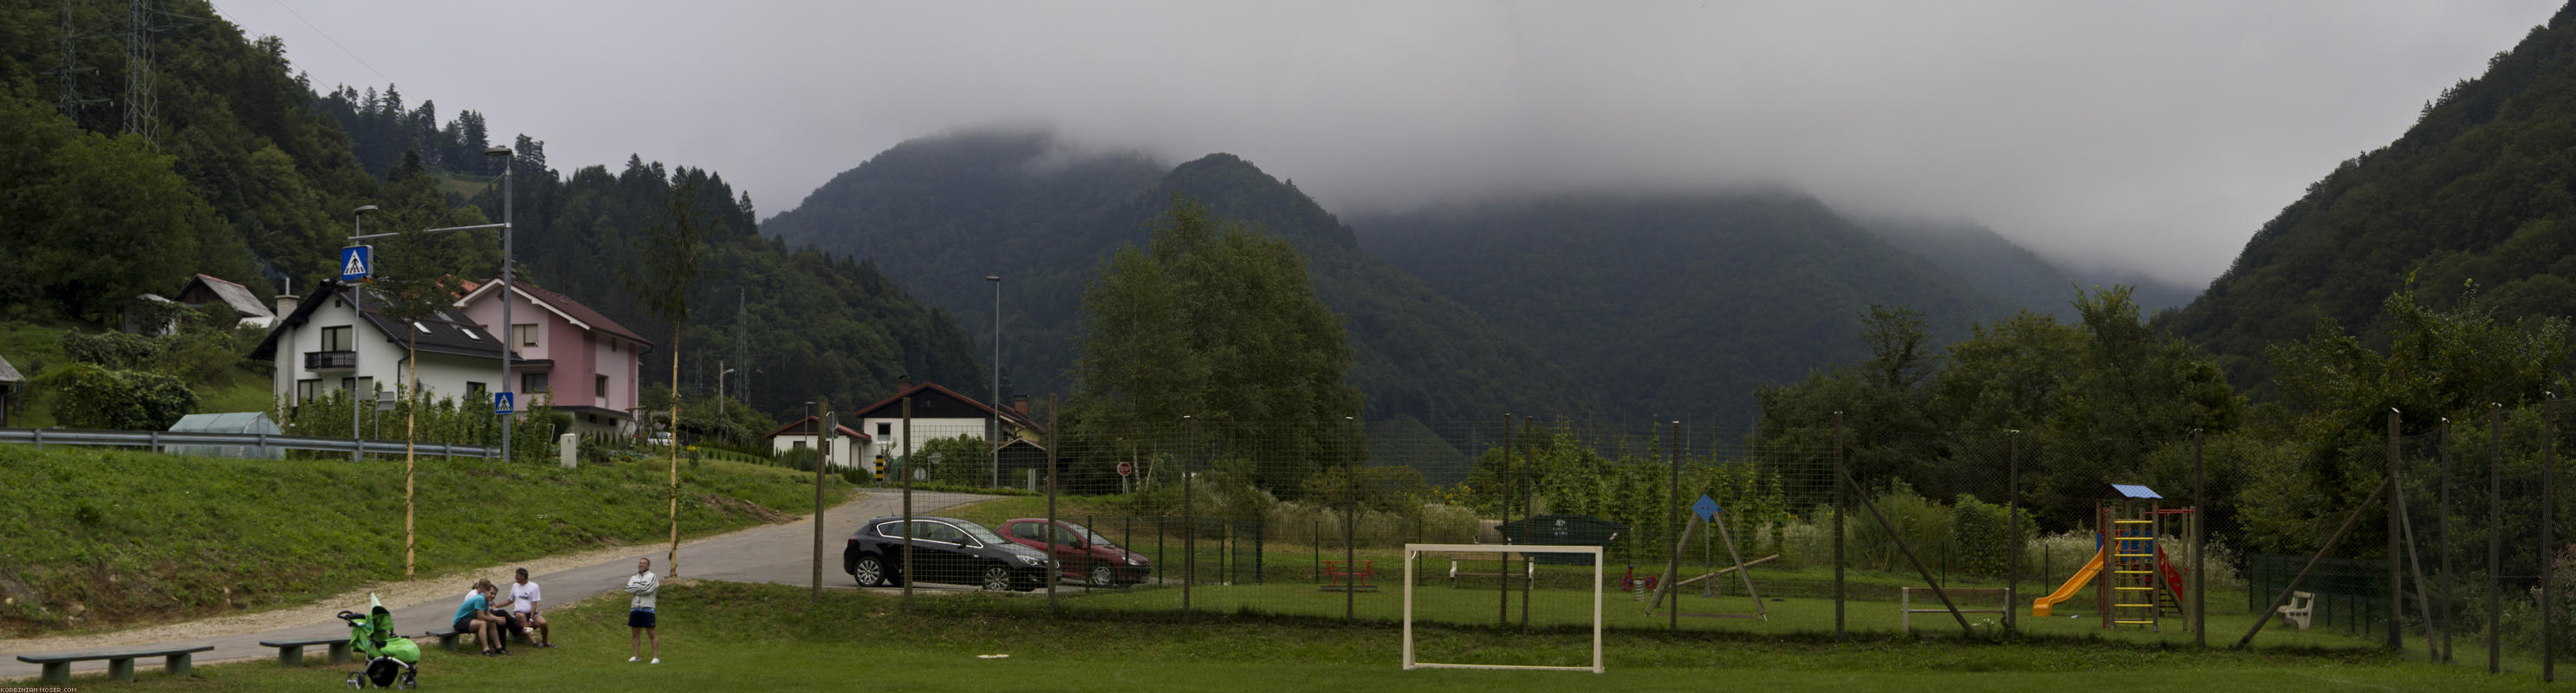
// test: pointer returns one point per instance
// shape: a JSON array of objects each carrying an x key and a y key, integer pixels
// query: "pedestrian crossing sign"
[
  {"x": 356, "y": 262},
  {"x": 503, "y": 403}
]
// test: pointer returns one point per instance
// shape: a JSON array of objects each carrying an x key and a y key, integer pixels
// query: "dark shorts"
[
  {"x": 463, "y": 625},
  {"x": 639, "y": 618}
]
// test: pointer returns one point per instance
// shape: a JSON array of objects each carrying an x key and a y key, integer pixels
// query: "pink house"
[{"x": 577, "y": 361}]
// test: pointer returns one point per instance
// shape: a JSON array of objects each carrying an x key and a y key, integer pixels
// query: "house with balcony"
[
  {"x": 329, "y": 343},
  {"x": 939, "y": 412},
  {"x": 577, "y": 360}
]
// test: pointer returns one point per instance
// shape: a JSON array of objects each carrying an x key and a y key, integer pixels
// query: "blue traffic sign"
[
  {"x": 1706, "y": 507},
  {"x": 504, "y": 403},
  {"x": 356, "y": 262}
]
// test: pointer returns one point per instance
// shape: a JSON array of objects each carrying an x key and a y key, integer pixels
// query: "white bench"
[{"x": 2302, "y": 605}]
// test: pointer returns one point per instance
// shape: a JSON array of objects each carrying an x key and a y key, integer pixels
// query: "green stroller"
[{"x": 390, "y": 660}]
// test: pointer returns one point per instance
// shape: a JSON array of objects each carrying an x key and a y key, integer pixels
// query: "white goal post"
[{"x": 1414, "y": 551}]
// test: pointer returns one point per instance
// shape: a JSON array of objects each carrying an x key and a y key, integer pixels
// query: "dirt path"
[{"x": 769, "y": 553}]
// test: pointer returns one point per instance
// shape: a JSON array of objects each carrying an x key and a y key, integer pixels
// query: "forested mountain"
[
  {"x": 941, "y": 213},
  {"x": 2480, "y": 191},
  {"x": 2020, "y": 276},
  {"x": 246, "y": 173},
  {"x": 1676, "y": 305}
]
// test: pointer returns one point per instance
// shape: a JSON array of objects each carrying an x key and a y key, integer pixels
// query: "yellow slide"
[{"x": 2083, "y": 576}]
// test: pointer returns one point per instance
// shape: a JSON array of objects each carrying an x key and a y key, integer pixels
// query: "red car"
[{"x": 1084, "y": 554}]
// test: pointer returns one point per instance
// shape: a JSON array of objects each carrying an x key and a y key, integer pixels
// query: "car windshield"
[
  {"x": 1088, "y": 536},
  {"x": 981, "y": 534}
]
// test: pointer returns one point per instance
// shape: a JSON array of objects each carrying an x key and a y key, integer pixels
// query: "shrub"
[{"x": 90, "y": 396}]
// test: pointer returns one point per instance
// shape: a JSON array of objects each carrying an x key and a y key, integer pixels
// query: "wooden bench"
[
  {"x": 291, "y": 652},
  {"x": 447, "y": 637},
  {"x": 120, "y": 664},
  {"x": 1905, "y": 602}
]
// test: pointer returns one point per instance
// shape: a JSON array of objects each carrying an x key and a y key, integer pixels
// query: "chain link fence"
[{"x": 1837, "y": 526}]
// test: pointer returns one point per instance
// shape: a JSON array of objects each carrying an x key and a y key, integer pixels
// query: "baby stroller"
[{"x": 390, "y": 659}]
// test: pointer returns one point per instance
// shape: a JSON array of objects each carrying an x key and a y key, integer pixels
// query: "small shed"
[
  {"x": 240, "y": 422},
  {"x": 10, "y": 384},
  {"x": 1563, "y": 530}
]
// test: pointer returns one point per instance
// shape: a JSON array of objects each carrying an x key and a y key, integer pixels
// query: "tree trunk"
[
  {"x": 674, "y": 558},
  {"x": 410, "y": 427}
]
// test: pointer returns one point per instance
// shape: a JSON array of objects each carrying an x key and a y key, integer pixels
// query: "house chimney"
[
  {"x": 1020, "y": 403},
  {"x": 286, "y": 305},
  {"x": 902, "y": 383}
]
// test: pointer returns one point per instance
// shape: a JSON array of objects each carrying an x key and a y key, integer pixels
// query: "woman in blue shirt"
[{"x": 475, "y": 617}]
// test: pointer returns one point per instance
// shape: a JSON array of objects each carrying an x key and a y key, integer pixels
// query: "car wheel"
[
  {"x": 871, "y": 571},
  {"x": 997, "y": 577},
  {"x": 1104, "y": 576}
]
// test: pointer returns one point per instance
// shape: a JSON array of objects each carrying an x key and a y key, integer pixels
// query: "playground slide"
[{"x": 2083, "y": 576}]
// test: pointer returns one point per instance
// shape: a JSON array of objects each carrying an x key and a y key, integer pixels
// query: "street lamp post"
[
  {"x": 995, "y": 440},
  {"x": 357, "y": 312},
  {"x": 720, "y": 391},
  {"x": 507, "y": 165}
]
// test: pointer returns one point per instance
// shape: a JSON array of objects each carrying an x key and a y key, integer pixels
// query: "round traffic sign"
[{"x": 1126, "y": 469}]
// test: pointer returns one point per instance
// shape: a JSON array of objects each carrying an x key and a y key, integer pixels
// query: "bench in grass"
[
  {"x": 120, "y": 663},
  {"x": 291, "y": 652}
]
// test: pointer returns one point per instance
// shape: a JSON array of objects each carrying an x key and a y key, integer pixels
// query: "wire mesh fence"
[{"x": 1837, "y": 526}]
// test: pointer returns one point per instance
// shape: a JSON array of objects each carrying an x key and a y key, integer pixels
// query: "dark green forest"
[
  {"x": 2479, "y": 192},
  {"x": 248, "y": 172},
  {"x": 941, "y": 213}
]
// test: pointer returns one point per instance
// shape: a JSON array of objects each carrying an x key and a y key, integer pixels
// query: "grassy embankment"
[
  {"x": 127, "y": 538},
  {"x": 722, "y": 636}
]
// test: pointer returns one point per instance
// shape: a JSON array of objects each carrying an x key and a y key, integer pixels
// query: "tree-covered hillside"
[
  {"x": 1676, "y": 305},
  {"x": 2021, "y": 277},
  {"x": 246, "y": 173},
  {"x": 2481, "y": 190},
  {"x": 941, "y": 213}
]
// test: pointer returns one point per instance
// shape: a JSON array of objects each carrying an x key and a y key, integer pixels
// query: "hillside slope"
[{"x": 2480, "y": 190}]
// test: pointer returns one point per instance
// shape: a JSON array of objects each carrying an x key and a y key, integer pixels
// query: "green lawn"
[
  {"x": 721, "y": 636},
  {"x": 183, "y": 537}
]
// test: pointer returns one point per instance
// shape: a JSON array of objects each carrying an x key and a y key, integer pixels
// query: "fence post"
[
  {"x": 2012, "y": 511},
  {"x": 1189, "y": 523},
  {"x": 2199, "y": 552},
  {"x": 1503, "y": 498},
  {"x": 1350, "y": 510},
  {"x": 2549, "y": 555},
  {"x": 2396, "y": 593},
  {"x": 2442, "y": 445},
  {"x": 1839, "y": 489},
  {"x": 2495, "y": 539},
  {"x": 1055, "y": 428},
  {"x": 1672, "y": 531}
]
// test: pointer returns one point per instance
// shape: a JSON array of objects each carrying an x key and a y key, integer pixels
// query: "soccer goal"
[{"x": 1414, "y": 554}]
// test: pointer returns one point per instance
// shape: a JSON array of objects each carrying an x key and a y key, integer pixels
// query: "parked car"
[
  {"x": 1084, "y": 554},
  {"x": 944, "y": 550}
]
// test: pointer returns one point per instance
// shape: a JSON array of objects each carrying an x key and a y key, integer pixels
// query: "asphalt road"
[{"x": 771, "y": 553}]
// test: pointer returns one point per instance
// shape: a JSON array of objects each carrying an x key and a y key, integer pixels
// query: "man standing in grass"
[{"x": 639, "y": 613}]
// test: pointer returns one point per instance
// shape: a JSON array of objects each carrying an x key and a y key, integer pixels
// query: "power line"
[{"x": 335, "y": 43}]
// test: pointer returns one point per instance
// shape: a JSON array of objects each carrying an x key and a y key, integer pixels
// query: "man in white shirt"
[
  {"x": 639, "y": 612},
  {"x": 523, "y": 606}
]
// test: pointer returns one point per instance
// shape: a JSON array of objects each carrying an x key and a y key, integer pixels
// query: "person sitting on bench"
[
  {"x": 523, "y": 609},
  {"x": 474, "y": 617}
]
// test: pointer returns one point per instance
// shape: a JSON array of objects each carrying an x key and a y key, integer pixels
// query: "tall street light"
[
  {"x": 720, "y": 391},
  {"x": 509, "y": 335},
  {"x": 996, "y": 439},
  {"x": 358, "y": 311}
]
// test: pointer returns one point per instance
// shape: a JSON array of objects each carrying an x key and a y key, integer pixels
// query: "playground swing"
[
  {"x": 1666, "y": 585},
  {"x": 2136, "y": 583}
]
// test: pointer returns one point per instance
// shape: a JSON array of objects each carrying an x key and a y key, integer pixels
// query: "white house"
[
  {"x": 849, "y": 446},
  {"x": 938, "y": 412},
  {"x": 322, "y": 345}
]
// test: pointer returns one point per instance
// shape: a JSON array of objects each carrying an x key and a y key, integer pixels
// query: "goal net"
[{"x": 1456, "y": 594}]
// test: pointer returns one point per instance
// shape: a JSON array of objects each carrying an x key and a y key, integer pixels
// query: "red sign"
[{"x": 1126, "y": 469}]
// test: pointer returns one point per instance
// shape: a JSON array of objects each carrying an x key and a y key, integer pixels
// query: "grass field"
[
  {"x": 179, "y": 537},
  {"x": 721, "y": 636}
]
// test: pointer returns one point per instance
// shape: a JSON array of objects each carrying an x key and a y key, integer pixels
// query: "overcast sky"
[{"x": 2154, "y": 136}]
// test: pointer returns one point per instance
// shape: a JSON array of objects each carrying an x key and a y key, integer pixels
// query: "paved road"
[{"x": 769, "y": 553}]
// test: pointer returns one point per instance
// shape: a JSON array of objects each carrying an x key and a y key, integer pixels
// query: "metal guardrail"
[{"x": 157, "y": 440}]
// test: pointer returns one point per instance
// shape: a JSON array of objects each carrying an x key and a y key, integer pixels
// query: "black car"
[{"x": 944, "y": 550}]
